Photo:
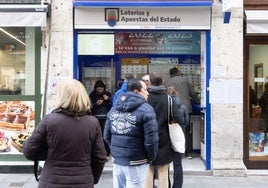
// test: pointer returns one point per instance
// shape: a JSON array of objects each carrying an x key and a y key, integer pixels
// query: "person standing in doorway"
[
  {"x": 158, "y": 99},
  {"x": 131, "y": 130},
  {"x": 101, "y": 104},
  {"x": 187, "y": 96}
]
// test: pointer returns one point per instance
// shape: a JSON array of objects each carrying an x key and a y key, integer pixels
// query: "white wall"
[
  {"x": 226, "y": 117},
  {"x": 57, "y": 46}
]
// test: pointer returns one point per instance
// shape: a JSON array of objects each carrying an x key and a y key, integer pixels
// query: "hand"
[
  {"x": 105, "y": 97},
  {"x": 99, "y": 102}
]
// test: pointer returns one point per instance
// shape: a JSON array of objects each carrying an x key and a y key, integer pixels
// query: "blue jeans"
[{"x": 129, "y": 176}]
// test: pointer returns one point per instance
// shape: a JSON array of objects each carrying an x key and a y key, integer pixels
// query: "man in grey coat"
[{"x": 187, "y": 95}]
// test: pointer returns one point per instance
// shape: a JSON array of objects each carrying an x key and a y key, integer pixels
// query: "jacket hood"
[
  {"x": 129, "y": 101},
  {"x": 124, "y": 87},
  {"x": 157, "y": 89},
  {"x": 69, "y": 113}
]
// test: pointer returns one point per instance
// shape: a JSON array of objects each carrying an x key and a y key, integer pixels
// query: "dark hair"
[
  {"x": 134, "y": 84},
  {"x": 173, "y": 71},
  {"x": 129, "y": 76},
  {"x": 120, "y": 83},
  {"x": 99, "y": 83},
  {"x": 156, "y": 78}
]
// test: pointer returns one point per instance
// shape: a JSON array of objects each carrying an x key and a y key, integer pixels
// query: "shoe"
[{"x": 189, "y": 156}]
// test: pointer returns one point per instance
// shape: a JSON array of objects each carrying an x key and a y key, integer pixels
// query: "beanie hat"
[{"x": 99, "y": 83}]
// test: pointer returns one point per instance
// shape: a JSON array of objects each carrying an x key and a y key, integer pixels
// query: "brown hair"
[
  {"x": 156, "y": 78},
  {"x": 171, "y": 90}
]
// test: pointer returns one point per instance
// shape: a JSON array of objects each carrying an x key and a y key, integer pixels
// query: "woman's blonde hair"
[{"x": 71, "y": 95}]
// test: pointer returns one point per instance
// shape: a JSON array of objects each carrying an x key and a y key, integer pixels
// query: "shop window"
[
  {"x": 258, "y": 103},
  {"x": 17, "y": 61},
  {"x": 20, "y": 101}
]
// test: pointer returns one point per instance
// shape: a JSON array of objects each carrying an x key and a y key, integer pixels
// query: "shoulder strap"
[
  {"x": 170, "y": 115},
  {"x": 36, "y": 170}
]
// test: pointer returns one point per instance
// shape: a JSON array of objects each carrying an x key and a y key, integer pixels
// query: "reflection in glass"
[
  {"x": 17, "y": 54},
  {"x": 258, "y": 103}
]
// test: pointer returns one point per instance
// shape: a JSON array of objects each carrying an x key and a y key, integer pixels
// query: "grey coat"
[{"x": 186, "y": 91}]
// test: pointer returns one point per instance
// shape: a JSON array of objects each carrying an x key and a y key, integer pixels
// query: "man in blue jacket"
[{"x": 131, "y": 130}]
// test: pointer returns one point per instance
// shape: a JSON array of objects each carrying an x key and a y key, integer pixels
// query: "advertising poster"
[
  {"x": 258, "y": 144},
  {"x": 172, "y": 42},
  {"x": 16, "y": 125}
]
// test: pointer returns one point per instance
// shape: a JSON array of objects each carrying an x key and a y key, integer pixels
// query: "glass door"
[{"x": 256, "y": 104}]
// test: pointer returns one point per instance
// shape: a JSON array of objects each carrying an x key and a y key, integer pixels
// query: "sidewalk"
[
  {"x": 190, "y": 181},
  {"x": 195, "y": 176}
]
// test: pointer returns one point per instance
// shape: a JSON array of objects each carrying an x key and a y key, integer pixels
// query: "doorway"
[
  {"x": 255, "y": 121},
  {"x": 140, "y": 52}
]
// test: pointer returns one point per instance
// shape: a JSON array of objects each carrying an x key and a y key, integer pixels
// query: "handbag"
[{"x": 176, "y": 133}]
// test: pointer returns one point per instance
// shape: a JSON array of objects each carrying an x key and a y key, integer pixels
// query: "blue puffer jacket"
[
  {"x": 131, "y": 130},
  {"x": 122, "y": 90}
]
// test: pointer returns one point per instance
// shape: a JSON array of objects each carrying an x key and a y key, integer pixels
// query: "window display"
[{"x": 17, "y": 121}]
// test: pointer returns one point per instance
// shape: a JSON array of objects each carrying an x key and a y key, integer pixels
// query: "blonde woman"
[{"x": 75, "y": 148}]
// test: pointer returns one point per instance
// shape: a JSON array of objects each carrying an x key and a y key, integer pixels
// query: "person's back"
[
  {"x": 158, "y": 99},
  {"x": 188, "y": 96},
  {"x": 183, "y": 112},
  {"x": 184, "y": 87},
  {"x": 131, "y": 130},
  {"x": 73, "y": 140},
  {"x": 184, "y": 121}
]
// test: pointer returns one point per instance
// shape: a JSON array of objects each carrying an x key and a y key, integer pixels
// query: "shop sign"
[
  {"x": 20, "y": 2},
  {"x": 173, "y": 42},
  {"x": 142, "y": 18}
]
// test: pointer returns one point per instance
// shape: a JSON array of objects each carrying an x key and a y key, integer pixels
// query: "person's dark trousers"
[
  {"x": 178, "y": 171},
  {"x": 102, "y": 124},
  {"x": 188, "y": 141}
]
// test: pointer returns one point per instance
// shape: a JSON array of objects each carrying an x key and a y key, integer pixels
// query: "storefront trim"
[
  {"x": 155, "y": 18},
  {"x": 257, "y": 21},
  {"x": 141, "y": 3},
  {"x": 23, "y": 15}
]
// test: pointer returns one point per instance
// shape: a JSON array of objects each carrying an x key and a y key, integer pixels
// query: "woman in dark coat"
[
  {"x": 158, "y": 99},
  {"x": 75, "y": 148}
]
